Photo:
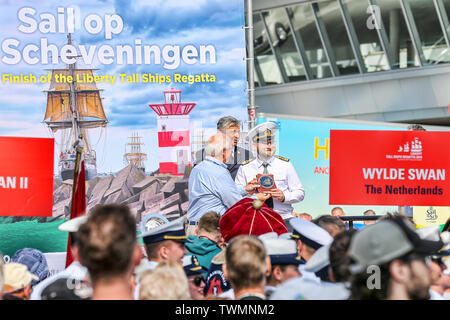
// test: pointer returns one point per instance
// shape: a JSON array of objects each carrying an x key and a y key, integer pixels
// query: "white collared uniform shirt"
[{"x": 286, "y": 179}]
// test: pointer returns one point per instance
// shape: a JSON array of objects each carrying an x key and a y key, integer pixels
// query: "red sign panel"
[
  {"x": 26, "y": 176},
  {"x": 390, "y": 168}
]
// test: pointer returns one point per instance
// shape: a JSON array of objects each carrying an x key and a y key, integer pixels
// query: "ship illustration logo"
[
  {"x": 409, "y": 151},
  {"x": 431, "y": 215}
]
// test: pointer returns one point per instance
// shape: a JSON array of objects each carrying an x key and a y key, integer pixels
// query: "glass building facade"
[{"x": 313, "y": 40}]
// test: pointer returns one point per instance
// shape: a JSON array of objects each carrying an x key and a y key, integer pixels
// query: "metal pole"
[{"x": 250, "y": 67}]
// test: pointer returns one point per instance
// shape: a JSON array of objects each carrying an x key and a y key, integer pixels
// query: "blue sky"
[{"x": 156, "y": 22}]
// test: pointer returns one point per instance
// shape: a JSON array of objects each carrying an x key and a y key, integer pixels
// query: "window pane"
[
  {"x": 303, "y": 21},
  {"x": 263, "y": 53},
  {"x": 434, "y": 47},
  {"x": 369, "y": 42},
  {"x": 331, "y": 16},
  {"x": 402, "y": 47},
  {"x": 280, "y": 33}
]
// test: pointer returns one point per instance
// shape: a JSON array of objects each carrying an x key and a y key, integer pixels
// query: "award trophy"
[{"x": 267, "y": 183}]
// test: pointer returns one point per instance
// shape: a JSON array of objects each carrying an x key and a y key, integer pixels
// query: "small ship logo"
[
  {"x": 431, "y": 214},
  {"x": 409, "y": 151}
]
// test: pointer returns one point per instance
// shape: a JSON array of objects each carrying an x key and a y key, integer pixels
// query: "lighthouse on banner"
[{"x": 173, "y": 132}]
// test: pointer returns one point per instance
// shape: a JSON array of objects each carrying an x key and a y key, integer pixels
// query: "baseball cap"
[
  {"x": 388, "y": 240},
  {"x": 17, "y": 276},
  {"x": 66, "y": 289},
  {"x": 34, "y": 260}
]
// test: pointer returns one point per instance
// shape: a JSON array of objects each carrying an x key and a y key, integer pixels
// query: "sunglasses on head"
[{"x": 198, "y": 280}]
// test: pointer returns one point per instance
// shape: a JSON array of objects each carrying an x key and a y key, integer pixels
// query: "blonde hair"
[
  {"x": 166, "y": 282},
  {"x": 246, "y": 262}
]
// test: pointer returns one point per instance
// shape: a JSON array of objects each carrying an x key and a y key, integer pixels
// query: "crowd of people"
[{"x": 240, "y": 240}]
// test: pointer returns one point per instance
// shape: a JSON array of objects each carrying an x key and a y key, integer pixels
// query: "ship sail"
[
  {"x": 74, "y": 104},
  {"x": 87, "y": 100}
]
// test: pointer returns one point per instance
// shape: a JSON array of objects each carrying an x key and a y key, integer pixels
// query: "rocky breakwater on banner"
[{"x": 162, "y": 193}]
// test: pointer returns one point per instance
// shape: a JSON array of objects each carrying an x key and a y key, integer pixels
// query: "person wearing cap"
[
  {"x": 17, "y": 281},
  {"x": 284, "y": 259},
  {"x": 309, "y": 288},
  {"x": 165, "y": 242},
  {"x": 316, "y": 280},
  {"x": 289, "y": 189},
  {"x": 109, "y": 250},
  {"x": 230, "y": 127},
  {"x": 35, "y": 262},
  {"x": 211, "y": 187},
  {"x": 75, "y": 271},
  {"x": 389, "y": 262},
  {"x": 309, "y": 236},
  {"x": 60, "y": 290},
  {"x": 194, "y": 272}
]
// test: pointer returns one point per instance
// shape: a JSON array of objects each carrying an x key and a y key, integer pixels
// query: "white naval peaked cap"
[
  {"x": 173, "y": 230},
  {"x": 73, "y": 225},
  {"x": 261, "y": 128},
  {"x": 319, "y": 260},
  {"x": 281, "y": 251},
  {"x": 287, "y": 235},
  {"x": 279, "y": 246},
  {"x": 310, "y": 233},
  {"x": 268, "y": 235}
]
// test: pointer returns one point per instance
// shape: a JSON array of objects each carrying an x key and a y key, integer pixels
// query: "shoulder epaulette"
[
  {"x": 282, "y": 158},
  {"x": 247, "y": 162}
]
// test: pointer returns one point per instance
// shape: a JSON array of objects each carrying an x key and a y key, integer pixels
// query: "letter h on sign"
[{"x": 325, "y": 148}]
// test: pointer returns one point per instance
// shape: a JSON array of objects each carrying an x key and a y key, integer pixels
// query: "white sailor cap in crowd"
[
  {"x": 73, "y": 225},
  {"x": 152, "y": 220},
  {"x": 173, "y": 230},
  {"x": 319, "y": 261},
  {"x": 281, "y": 251},
  {"x": 309, "y": 233},
  {"x": 262, "y": 131},
  {"x": 268, "y": 235},
  {"x": 287, "y": 235}
]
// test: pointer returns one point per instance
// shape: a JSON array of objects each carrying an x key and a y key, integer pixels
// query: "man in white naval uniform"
[{"x": 289, "y": 188}]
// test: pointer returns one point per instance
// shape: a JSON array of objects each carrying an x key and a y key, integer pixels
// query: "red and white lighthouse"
[{"x": 173, "y": 132}]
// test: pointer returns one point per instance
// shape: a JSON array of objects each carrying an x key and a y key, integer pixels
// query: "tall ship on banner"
[{"x": 74, "y": 108}]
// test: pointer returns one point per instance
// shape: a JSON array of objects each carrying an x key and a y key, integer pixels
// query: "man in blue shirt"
[{"x": 211, "y": 187}]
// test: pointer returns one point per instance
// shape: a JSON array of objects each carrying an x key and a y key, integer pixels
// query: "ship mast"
[
  {"x": 73, "y": 108},
  {"x": 135, "y": 156}
]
